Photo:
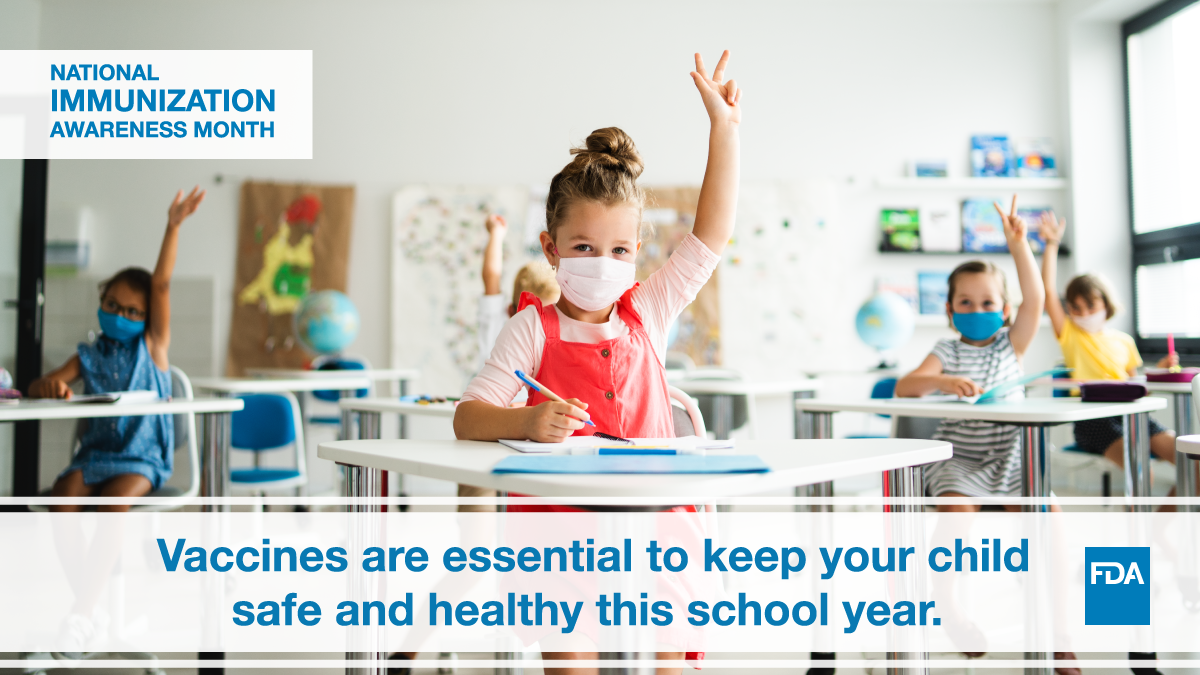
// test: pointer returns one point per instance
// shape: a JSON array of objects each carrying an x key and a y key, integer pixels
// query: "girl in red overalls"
[{"x": 603, "y": 342}]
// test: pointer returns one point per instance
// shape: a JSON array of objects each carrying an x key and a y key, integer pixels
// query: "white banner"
[
  {"x": 478, "y": 582},
  {"x": 160, "y": 104}
]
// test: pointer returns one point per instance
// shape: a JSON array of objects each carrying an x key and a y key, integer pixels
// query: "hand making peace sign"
[
  {"x": 1015, "y": 227},
  {"x": 721, "y": 99}
]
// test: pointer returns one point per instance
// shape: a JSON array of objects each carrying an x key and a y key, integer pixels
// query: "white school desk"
[
  {"x": 723, "y": 392},
  {"x": 370, "y": 410},
  {"x": 1032, "y": 415},
  {"x": 231, "y": 386},
  {"x": 1181, "y": 398},
  {"x": 792, "y": 462},
  {"x": 1180, "y": 392},
  {"x": 212, "y": 427},
  {"x": 400, "y": 377}
]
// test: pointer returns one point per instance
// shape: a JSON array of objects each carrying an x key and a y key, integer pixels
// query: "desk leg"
[
  {"x": 1035, "y": 482},
  {"x": 504, "y": 655},
  {"x": 1137, "y": 457},
  {"x": 360, "y": 482},
  {"x": 213, "y": 429},
  {"x": 813, "y": 425},
  {"x": 904, "y": 525},
  {"x": 1035, "y": 467},
  {"x": 1185, "y": 471}
]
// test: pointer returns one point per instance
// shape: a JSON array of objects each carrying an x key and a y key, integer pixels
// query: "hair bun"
[{"x": 609, "y": 148}]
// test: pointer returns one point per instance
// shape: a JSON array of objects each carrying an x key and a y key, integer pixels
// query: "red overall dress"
[{"x": 625, "y": 387}]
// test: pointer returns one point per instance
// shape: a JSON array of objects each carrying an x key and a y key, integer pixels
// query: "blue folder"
[{"x": 631, "y": 464}]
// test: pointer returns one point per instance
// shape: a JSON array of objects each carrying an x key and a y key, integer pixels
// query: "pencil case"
[
  {"x": 1111, "y": 392},
  {"x": 1164, "y": 375}
]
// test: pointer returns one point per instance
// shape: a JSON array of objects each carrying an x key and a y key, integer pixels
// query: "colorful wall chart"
[{"x": 292, "y": 238}]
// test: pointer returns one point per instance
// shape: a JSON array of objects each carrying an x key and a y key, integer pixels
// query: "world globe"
[
  {"x": 885, "y": 321},
  {"x": 326, "y": 322}
]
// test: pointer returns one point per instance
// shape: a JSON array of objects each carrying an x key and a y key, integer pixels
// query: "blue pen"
[{"x": 537, "y": 386}]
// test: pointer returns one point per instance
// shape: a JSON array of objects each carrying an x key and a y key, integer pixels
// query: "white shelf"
[{"x": 972, "y": 184}]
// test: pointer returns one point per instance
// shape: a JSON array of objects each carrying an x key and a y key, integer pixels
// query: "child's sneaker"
[{"x": 76, "y": 634}]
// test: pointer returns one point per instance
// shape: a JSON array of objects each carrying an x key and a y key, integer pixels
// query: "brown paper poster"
[
  {"x": 292, "y": 239},
  {"x": 671, "y": 212}
]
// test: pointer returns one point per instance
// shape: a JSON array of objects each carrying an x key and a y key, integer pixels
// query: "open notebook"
[
  {"x": 992, "y": 395},
  {"x": 586, "y": 442}
]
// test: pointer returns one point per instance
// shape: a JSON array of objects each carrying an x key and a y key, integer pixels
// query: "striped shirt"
[{"x": 987, "y": 457}]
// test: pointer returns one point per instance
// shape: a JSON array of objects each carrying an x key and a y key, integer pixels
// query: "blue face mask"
[
  {"x": 118, "y": 327},
  {"x": 978, "y": 325}
]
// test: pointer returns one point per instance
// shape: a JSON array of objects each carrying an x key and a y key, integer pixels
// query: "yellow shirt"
[{"x": 1106, "y": 355}]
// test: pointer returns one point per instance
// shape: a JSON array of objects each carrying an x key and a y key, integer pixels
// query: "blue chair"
[
  {"x": 268, "y": 422},
  {"x": 330, "y": 395},
  {"x": 885, "y": 388}
]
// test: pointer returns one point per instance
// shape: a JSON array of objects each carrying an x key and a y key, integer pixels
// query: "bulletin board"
[
  {"x": 438, "y": 237},
  {"x": 292, "y": 238},
  {"x": 670, "y": 216},
  {"x": 770, "y": 309}
]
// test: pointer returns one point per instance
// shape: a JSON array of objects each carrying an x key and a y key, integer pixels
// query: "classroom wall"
[
  {"x": 838, "y": 94},
  {"x": 472, "y": 92}
]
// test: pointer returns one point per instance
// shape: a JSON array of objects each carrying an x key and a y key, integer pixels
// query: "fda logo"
[{"x": 1117, "y": 586}]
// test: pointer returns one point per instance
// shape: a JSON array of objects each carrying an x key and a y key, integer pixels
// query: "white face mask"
[
  {"x": 1092, "y": 323},
  {"x": 593, "y": 283}
]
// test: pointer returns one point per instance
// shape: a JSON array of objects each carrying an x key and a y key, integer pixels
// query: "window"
[{"x": 1162, "y": 76}]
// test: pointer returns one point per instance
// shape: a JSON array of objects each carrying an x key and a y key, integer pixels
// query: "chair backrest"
[
  {"x": 185, "y": 428},
  {"x": 268, "y": 422},
  {"x": 685, "y": 414},
  {"x": 885, "y": 388},
  {"x": 1195, "y": 404},
  {"x": 339, "y": 363}
]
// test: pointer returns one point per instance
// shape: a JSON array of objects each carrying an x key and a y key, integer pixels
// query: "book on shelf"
[
  {"x": 941, "y": 228},
  {"x": 982, "y": 229},
  {"x": 1033, "y": 219},
  {"x": 1035, "y": 158},
  {"x": 991, "y": 156},
  {"x": 902, "y": 286},
  {"x": 928, "y": 168},
  {"x": 901, "y": 229},
  {"x": 933, "y": 287}
]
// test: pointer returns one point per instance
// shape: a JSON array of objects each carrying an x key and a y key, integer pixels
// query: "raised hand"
[
  {"x": 721, "y": 99},
  {"x": 1015, "y": 227},
  {"x": 1052, "y": 228},
  {"x": 182, "y": 207},
  {"x": 496, "y": 225}
]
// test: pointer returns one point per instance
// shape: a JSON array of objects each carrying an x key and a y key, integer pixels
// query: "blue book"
[
  {"x": 991, "y": 156},
  {"x": 932, "y": 289},
  {"x": 631, "y": 464},
  {"x": 982, "y": 230}
]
